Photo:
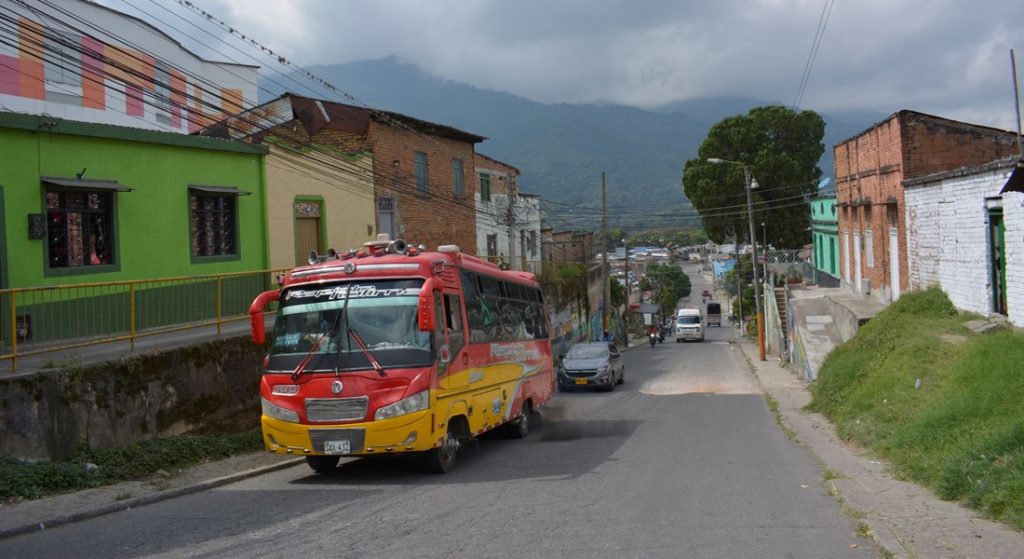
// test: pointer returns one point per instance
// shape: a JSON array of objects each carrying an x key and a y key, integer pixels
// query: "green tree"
[
  {"x": 618, "y": 292},
  {"x": 781, "y": 148},
  {"x": 749, "y": 309},
  {"x": 745, "y": 271},
  {"x": 670, "y": 284}
]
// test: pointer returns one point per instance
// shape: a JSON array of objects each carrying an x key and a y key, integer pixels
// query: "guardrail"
[{"x": 36, "y": 320}]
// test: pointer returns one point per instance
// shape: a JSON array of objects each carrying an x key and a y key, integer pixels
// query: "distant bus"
[{"x": 392, "y": 350}]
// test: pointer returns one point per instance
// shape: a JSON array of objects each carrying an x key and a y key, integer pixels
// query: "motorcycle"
[
  {"x": 661, "y": 334},
  {"x": 653, "y": 338}
]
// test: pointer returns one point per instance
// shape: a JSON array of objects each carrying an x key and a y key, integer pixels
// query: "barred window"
[
  {"x": 421, "y": 172},
  {"x": 62, "y": 58},
  {"x": 213, "y": 223},
  {"x": 460, "y": 188},
  {"x": 78, "y": 228},
  {"x": 485, "y": 187}
]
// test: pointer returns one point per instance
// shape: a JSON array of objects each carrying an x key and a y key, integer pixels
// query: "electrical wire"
[{"x": 819, "y": 34}]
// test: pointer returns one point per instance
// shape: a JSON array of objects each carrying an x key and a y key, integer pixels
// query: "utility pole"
[
  {"x": 751, "y": 183},
  {"x": 605, "y": 321},
  {"x": 1016, "y": 99},
  {"x": 739, "y": 286},
  {"x": 511, "y": 222}
]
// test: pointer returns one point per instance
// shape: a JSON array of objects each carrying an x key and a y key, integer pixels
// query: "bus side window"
[{"x": 453, "y": 320}]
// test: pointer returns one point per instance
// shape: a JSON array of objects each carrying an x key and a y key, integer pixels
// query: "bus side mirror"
[
  {"x": 425, "y": 309},
  {"x": 256, "y": 321}
]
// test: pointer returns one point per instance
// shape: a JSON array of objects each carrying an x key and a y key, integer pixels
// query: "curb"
[{"x": 145, "y": 499}]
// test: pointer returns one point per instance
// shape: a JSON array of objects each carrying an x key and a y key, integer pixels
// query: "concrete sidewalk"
[
  {"x": 907, "y": 520},
  {"x": 39, "y": 514}
]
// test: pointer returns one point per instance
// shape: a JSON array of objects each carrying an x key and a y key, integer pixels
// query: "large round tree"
[{"x": 781, "y": 148}]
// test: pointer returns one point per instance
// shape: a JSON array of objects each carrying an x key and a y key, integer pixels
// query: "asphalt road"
[{"x": 684, "y": 460}]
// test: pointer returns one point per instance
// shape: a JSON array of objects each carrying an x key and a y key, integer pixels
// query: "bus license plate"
[
  {"x": 581, "y": 381},
  {"x": 337, "y": 447}
]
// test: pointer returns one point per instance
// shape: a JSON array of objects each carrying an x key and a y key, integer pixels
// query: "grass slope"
[{"x": 943, "y": 404}]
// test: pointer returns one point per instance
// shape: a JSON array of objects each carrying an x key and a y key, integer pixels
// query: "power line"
[
  {"x": 819, "y": 34},
  {"x": 399, "y": 185}
]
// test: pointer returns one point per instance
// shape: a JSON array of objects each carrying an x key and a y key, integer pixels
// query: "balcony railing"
[{"x": 37, "y": 320}]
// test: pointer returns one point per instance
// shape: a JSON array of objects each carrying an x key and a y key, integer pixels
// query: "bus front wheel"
[
  {"x": 322, "y": 464},
  {"x": 441, "y": 460}
]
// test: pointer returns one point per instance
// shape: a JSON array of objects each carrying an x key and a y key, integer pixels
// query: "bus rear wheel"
[
  {"x": 441, "y": 460},
  {"x": 322, "y": 464},
  {"x": 520, "y": 428}
]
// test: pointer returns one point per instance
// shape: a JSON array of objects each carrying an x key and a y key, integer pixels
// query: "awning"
[
  {"x": 233, "y": 190},
  {"x": 1016, "y": 182},
  {"x": 87, "y": 184},
  {"x": 648, "y": 308}
]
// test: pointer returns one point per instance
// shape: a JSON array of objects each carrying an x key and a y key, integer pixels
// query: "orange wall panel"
[
  {"x": 30, "y": 50},
  {"x": 231, "y": 101}
]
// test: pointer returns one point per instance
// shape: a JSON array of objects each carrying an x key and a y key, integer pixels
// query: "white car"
[{"x": 689, "y": 325}]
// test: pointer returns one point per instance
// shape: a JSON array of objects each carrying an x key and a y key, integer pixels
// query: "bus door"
[{"x": 450, "y": 341}]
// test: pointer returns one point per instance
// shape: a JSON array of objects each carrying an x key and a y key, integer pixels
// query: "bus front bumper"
[{"x": 409, "y": 433}]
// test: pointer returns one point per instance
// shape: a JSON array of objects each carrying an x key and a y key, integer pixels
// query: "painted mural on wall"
[{"x": 567, "y": 327}]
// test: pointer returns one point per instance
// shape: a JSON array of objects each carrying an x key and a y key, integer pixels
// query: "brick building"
[
  {"x": 421, "y": 179},
  {"x": 567, "y": 246},
  {"x": 495, "y": 210},
  {"x": 870, "y": 170}
]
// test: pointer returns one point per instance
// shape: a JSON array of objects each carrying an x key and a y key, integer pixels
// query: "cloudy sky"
[{"x": 946, "y": 57}]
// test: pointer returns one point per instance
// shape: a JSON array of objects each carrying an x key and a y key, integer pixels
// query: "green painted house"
[
  {"x": 825, "y": 230},
  {"x": 84, "y": 203}
]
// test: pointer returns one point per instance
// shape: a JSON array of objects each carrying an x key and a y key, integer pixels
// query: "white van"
[{"x": 689, "y": 325}]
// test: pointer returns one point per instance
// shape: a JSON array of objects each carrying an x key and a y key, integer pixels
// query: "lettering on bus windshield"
[{"x": 358, "y": 292}]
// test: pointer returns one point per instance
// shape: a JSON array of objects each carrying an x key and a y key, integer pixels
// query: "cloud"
[{"x": 947, "y": 57}]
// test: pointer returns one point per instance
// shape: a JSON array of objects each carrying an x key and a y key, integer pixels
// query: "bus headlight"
[
  {"x": 416, "y": 402},
  {"x": 277, "y": 412}
]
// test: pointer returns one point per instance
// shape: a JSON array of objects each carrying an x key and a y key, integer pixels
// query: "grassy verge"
[
  {"x": 943, "y": 404},
  {"x": 30, "y": 480}
]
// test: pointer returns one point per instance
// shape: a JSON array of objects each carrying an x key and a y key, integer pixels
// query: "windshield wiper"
[
  {"x": 325, "y": 329},
  {"x": 309, "y": 356},
  {"x": 366, "y": 351}
]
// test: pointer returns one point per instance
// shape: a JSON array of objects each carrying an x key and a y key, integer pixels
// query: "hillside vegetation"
[
  {"x": 943, "y": 404},
  {"x": 562, "y": 148}
]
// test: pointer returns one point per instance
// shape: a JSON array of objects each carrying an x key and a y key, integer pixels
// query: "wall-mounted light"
[{"x": 36, "y": 226}]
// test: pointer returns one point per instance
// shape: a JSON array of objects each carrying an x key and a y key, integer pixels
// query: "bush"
[{"x": 30, "y": 480}]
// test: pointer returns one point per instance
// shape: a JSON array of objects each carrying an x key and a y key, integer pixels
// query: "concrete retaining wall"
[{"x": 53, "y": 413}]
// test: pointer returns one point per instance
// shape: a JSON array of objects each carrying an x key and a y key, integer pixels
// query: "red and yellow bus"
[{"x": 393, "y": 349}]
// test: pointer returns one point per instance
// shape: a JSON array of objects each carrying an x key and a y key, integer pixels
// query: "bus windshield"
[{"x": 320, "y": 318}]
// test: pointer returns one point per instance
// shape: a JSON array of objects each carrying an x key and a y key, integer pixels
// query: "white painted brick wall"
[
  {"x": 947, "y": 237},
  {"x": 1013, "y": 217}
]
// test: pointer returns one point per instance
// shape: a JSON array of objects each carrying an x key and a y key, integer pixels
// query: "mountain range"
[{"x": 562, "y": 149}]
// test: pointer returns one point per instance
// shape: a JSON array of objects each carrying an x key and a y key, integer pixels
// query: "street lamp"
[{"x": 750, "y": 183}]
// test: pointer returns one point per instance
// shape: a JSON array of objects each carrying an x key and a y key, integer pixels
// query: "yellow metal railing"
[{"x": 55, "y": 318}]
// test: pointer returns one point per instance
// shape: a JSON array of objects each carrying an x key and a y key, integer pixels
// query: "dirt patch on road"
[{"x": 677, "y": 386}]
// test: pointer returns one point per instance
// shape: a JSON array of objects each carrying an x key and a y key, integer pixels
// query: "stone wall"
[{"x": 51, "y": 414}]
